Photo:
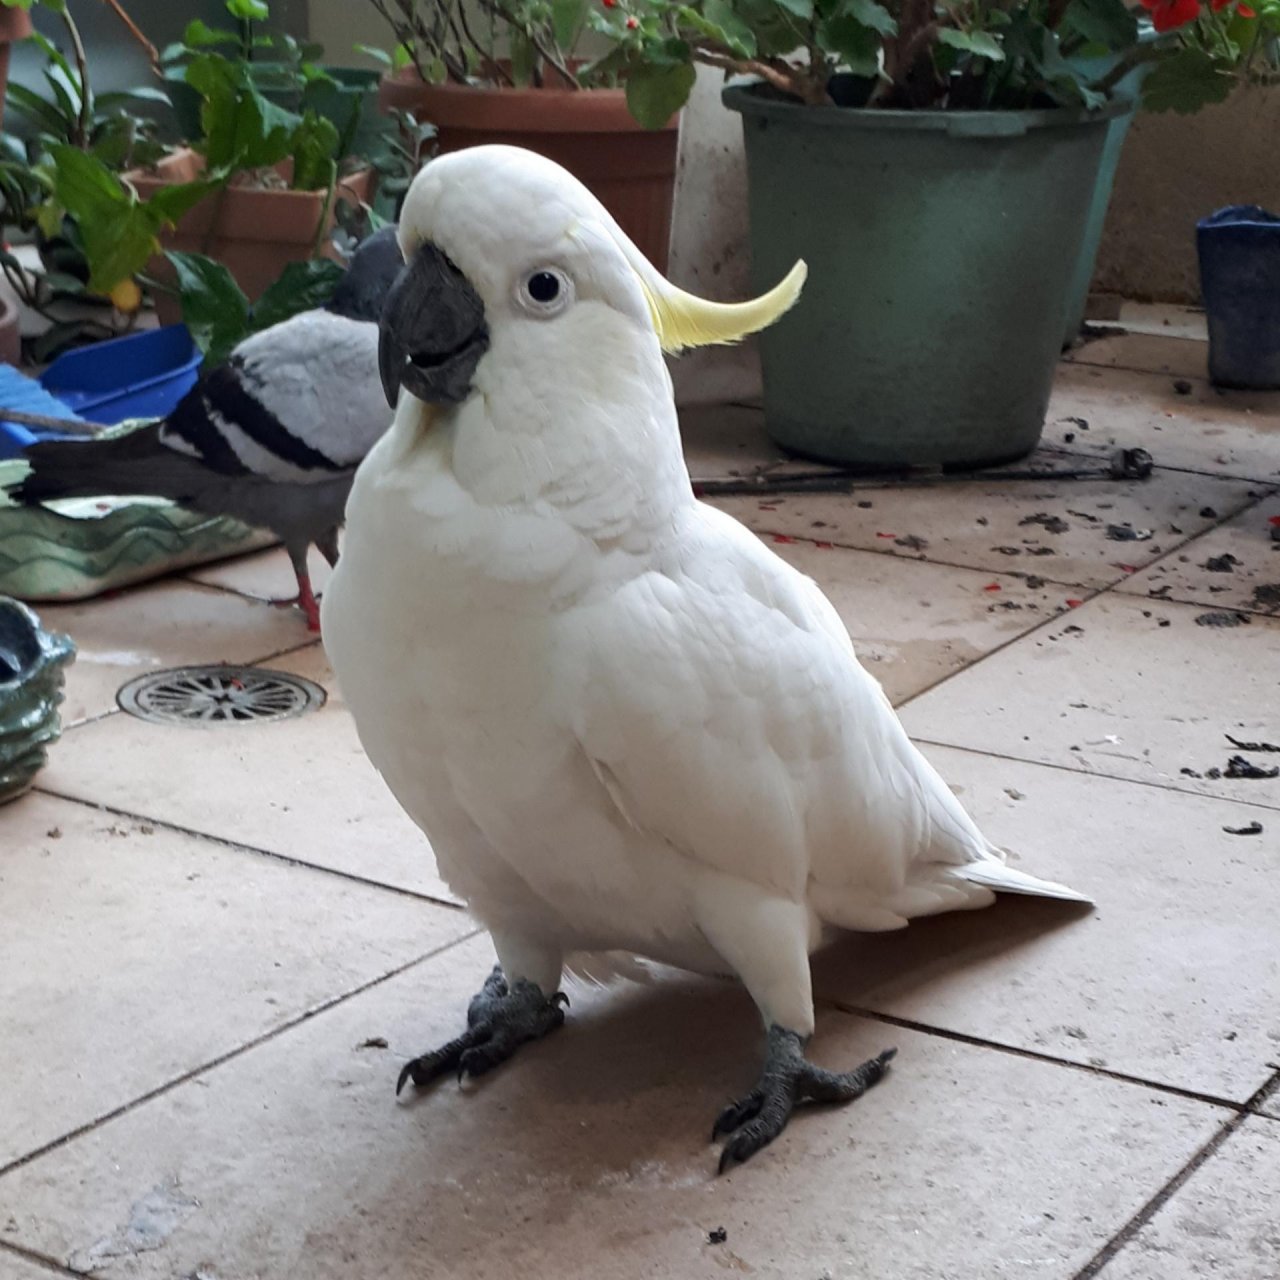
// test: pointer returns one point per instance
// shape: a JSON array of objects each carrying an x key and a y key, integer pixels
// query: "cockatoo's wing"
[{"x": 721, "y": 705}]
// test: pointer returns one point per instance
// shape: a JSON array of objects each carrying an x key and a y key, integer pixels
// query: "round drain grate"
[{"x": 219, "y": 695}]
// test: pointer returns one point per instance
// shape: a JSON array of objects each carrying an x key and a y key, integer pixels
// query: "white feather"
[{"x": 625, "y": 724}]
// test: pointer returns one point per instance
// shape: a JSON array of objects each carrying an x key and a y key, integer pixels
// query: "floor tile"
[
  {"x": 913, "y": 624},
  {"x": 15, "y": 1267},
  {"x": 1150, "y": 353},
  {"x": 167, "y": 624},
  {"x": 730, "y": 440},
  {"x": 1236, "y": 566},
  {"x": 300, "y": 787},
  {"x": 1222, "y": 432},
  {"x": 1056, "y": 532},
  {"x": 264, "y": 575},
  {"x": 1114, "y": 691},
  {"x": 588, "y": 1156},
  {"x": 130, "y": 955},
  {"x": 1221, "y": 1222},
  {"x": 1173, "y": 977}
]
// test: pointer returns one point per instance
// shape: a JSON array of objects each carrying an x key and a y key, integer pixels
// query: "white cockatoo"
[{"x": 625, "y": 725}]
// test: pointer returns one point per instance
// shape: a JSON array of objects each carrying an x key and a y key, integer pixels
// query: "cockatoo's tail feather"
[{"x": 1006, "y": 879}]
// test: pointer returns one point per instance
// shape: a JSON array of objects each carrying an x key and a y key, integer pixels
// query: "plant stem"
[
  {"x": 1134, "y": 58},
  {"x": 323, "y": 225},
  {"x": 784, "y": 77},
  {"x": 80, "y": 137},
  {"x": 153, "y": 54}
]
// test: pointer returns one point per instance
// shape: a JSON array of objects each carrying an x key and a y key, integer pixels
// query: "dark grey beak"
[{"x": 432, "y": 331}]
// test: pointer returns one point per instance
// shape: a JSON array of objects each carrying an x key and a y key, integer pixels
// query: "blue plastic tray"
[
  {"x": 17, "y": 391},
  {"x": 142, "y": 375}
]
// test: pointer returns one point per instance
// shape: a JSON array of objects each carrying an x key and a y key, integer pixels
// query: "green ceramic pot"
[
  {"x": 31, "y": 675},
  {"x": 941, "y": 248}
]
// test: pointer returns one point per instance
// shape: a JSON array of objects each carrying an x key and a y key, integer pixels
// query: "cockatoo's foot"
[
  {"x": 787, "y": 1078},
  {"x": 499, "y": 1021}
]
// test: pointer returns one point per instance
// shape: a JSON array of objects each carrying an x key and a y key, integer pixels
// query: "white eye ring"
[{"x": 545, "y": 292}]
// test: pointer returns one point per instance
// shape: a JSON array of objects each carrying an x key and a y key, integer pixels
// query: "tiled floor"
[{"x": 217, "y": 946}]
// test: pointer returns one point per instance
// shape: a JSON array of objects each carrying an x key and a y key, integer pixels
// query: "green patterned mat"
[{"x": 81, "y": 547}]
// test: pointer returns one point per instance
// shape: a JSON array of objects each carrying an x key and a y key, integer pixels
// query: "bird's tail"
[
  {"x": 994, "y": 873},
  {"x": 135, "y": 462}
]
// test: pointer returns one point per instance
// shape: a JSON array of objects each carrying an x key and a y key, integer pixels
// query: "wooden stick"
[{"x": 71, "y": 426}]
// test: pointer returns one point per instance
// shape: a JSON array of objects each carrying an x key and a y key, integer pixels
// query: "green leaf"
[
  {"x": 315, "y": 147},
  {"x": 199, "y": 35},
  {"x": 301, "y": 286},
  {"x": 119, "y": 234},
  {"x": 214, "y": 307},
  {"x": 248, "y": 10},
  {"x": 380, "y": 56},
  {"x": 655, "y": 94},
  {"x": 401, "y": 57},
  {"x": 855, "y": 44},
  {"x": 38, "y": 109},
  {"x": 567, "y": 19},
  {"x": 735, "y": 33},
  {"x": 122, "y": 97},
  {"x": 980, "y": 43},
  {"x": 169, "y": 204},
  {"x": 1108, "y": 22},
  {"x": 870, "y": 14},
  {"x": 802, "y": 9},
  {"x": 1185, "y": 82}
]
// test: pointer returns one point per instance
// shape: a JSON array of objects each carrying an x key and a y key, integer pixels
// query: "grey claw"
[{"x": 405, "y": 1072}]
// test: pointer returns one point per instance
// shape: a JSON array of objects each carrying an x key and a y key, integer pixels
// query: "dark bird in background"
[{"x": 272, "y": 437}]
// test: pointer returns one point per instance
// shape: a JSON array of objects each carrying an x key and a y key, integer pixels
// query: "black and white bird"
[{"x": 272, "y": 437}]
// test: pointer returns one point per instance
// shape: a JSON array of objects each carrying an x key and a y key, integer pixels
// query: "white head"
[{"x": 527, "y": 314}]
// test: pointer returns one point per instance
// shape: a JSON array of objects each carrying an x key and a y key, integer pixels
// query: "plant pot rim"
[
  {"x": 525, "y": 110},
  {"x": 149, "y": 180},
  {"x": 753, "y": 98}
]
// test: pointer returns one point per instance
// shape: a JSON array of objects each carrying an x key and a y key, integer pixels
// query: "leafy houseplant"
[
  {"x": 514, "y": 71},
  {"x": 267, "y": 175},
  {"x": 935, "y": 165},
  {"x": 106, "y": 132}
]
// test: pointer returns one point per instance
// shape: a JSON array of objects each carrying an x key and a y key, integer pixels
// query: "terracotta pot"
[
  {"x": 630, "y": 170},
  {"x": 15, "y": 25},
  {"x": 10, "y": 325},
  {"x": 252, "y": 231}
]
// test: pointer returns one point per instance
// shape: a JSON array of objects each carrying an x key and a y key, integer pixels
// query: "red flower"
[
  {"x": 1166, "y": 15},
  {"x": 632, "y": 23},
  {"x": 609, "y": 4},
  {"x": 1245, "y": 12}
]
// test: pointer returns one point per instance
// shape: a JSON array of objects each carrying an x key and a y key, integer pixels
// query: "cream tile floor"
[{"x": 217, "y": 946}]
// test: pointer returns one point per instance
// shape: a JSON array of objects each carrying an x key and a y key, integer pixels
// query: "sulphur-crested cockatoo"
[{"x": 625, "y": 725}]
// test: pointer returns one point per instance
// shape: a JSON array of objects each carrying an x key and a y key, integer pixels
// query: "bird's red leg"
[{"x": 307, "y": 602}]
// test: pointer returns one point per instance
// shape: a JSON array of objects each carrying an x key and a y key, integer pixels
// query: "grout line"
[
  {"x": 41, "y": 1261},
  {"x": 1035, "y": 1055},
  {"x": 1097, "y": 773},
  {"x": 1112, "y": 1247},
  {"x": 221, "y": 1059},
  {"x": 253, "y": 850}
]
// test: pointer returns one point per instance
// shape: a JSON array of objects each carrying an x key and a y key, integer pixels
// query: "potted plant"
[
  {"x": 111, "y": 131},
  {"x": 261, "y": 181},
  {"x": 511, "y": 71},
  {"x": 935, "y": 166}
]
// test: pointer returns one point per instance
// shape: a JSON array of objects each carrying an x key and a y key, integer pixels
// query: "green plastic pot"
[
  {"x": 1127, "y": 91},
  {"x": 31, "y": 676},
  {"x": 941, "y": 247}
]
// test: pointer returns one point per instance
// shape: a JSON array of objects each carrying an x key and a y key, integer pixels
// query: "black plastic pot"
[{"x": 1239, "y": 250}]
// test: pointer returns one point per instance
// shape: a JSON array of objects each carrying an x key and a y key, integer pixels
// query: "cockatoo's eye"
[{"x": 546, "y": 291}]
